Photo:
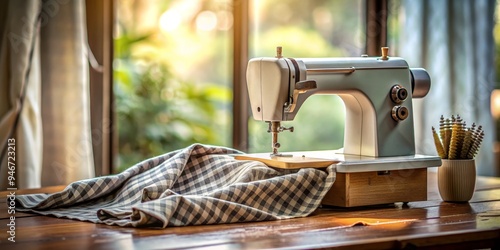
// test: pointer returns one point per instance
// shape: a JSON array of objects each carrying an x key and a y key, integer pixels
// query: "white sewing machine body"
[{"x": 378, "y": 163}]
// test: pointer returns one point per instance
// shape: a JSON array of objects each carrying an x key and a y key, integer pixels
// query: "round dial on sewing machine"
[
  {"x": 398, "y": 93},
  {"x": 399, "y": 113}
]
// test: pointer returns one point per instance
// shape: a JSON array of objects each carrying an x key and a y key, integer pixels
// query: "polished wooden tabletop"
[{"x": 432, "y": 223}]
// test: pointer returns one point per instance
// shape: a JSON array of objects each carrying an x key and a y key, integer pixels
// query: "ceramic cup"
[{"x": 457, "y": 180}]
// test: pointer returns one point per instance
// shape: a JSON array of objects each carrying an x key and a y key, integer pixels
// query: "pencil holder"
[{"x": 457, "y": 180}]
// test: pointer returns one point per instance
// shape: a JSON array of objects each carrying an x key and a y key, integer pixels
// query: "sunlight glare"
[
  {"x": 206, "y": 21},
  {"x": 170, "y": 21},
  {"x": 495, "y": 103}
]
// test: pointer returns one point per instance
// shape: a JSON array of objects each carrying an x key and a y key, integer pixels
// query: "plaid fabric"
[{"x": 196, "y": 185}]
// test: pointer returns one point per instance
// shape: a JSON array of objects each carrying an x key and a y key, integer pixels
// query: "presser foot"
[{"x": 275, "y": 128}]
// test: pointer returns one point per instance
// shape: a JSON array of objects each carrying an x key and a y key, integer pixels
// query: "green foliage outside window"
[{"x": 156, "y": 111}]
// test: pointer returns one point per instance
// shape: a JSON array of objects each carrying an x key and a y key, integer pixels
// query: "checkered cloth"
[{"x": 196, "y": 185}]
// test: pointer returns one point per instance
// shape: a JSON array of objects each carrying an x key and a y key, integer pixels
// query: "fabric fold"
[{"x": 196, "y": 185}]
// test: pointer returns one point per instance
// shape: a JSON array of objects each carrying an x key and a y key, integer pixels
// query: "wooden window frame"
[
  {"x": 100, "y": 21},
  {"x": 376, "y": 12}
]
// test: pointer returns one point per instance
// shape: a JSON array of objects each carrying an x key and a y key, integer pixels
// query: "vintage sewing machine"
[{"x": 378, "y": 164}]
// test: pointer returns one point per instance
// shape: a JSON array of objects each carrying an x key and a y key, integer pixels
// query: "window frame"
[{"x": 100, "y": 20}]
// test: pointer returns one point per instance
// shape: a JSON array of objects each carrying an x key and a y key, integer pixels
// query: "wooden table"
[{"x": 431, "y": 223}]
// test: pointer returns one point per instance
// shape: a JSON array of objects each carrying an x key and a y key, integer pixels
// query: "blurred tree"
[{"x": 156, "y": 112}]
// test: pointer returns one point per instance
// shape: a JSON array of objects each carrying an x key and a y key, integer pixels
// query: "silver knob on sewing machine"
[
  {"x": 398, "y": 93},
  {"x": 399, "y": 113}
]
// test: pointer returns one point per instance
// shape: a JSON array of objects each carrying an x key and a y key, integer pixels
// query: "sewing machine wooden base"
[
  {"x": 377, "y": 187},
  {"x": 362, "y": 180}
]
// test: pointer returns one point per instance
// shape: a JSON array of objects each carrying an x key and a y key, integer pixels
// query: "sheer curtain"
[
  {"x": 453, "y": 40},
  {"x": 44, "y": 93}
]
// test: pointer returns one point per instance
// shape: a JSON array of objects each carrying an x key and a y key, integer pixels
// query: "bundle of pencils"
[{"x": 455, "y": 140}]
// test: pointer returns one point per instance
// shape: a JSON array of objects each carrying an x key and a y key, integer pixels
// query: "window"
[
  {"x": 173, "y": 73},
  {"x": 172, "y": 76}
]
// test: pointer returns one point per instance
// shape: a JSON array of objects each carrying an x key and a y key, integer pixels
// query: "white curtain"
[
  {"x": 44, "y": 93},
  {"x": 453, "y": 40}
]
